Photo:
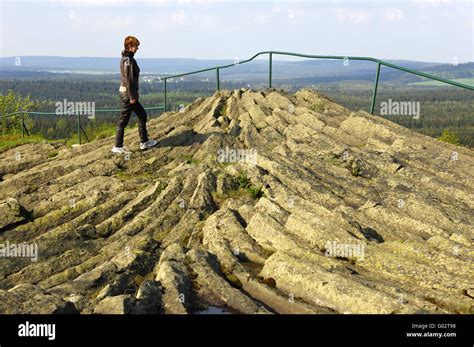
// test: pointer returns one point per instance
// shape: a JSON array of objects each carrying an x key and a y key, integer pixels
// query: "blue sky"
[{"x": 428, "y": 30}]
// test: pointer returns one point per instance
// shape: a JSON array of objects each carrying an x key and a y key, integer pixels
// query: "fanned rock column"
[{"x": 253, "y": 202}]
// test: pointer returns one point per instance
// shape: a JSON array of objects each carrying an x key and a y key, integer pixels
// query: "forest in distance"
[{"x": 440, "y": 107}]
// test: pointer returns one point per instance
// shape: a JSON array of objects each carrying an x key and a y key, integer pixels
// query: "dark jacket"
[{"x": 129, "y": 74}]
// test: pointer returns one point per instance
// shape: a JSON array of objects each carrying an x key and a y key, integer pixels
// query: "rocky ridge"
[{"x": 178, "y": 229}]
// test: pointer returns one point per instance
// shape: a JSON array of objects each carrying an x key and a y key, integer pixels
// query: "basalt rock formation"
[{"x": 252, "y": 202}]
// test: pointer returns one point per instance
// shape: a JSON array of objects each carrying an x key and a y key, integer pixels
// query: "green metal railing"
[
  {"x": 80, "y": 129},
  {"x": 333, "y": 57},
  {"x": 270, "y": 61}
]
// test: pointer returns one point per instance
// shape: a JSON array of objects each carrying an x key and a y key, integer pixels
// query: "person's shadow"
[{"x": 185, "y": 138}]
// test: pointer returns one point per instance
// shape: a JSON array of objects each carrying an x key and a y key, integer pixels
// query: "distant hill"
[
  {"x": 39, "y": 67},
  {"x": 102, "y": 65},
  {"x": 179, "y": 65}
]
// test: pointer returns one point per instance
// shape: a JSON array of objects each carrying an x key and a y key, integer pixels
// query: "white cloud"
[
  {"x": 178, "y": 17},
  {"x": 353, "y": 16},
  {"x": 436, "y": 2},
  {"x": 394, "y": 14},
  {"x": 262, "y": 18},
  {"x": 341, "y": 28},
  {"x": 291, "y": 14}
]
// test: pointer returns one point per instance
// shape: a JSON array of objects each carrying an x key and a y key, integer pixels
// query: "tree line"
[{"x": 440, "y": 107}]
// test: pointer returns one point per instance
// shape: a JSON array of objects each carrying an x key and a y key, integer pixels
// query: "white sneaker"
[
  {"x": 120, "y": 150},
  {"x": 148, "y": 144}
]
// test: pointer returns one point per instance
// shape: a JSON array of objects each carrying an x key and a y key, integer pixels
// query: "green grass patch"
[
  {"x": 243, "y": 181},
  {"x": 449, "y": 136},
  {"x": 53, "y": 154},
  {"x": 12, "y": 141},
  {"x": 468, "y": 81},
  {"x": 124, "y": 175},
  {"x": 255, "y": 193},
  {"x": 245, "y": 187},
  {"x": 246, "y": 184},
  {"x": 188, "y": 159},
  {"x": 103, "y": 131}
]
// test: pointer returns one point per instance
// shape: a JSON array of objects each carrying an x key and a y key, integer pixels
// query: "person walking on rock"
[{"x": 129, "y": 75}]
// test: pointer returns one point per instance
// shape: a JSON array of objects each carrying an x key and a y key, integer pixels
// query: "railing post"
[
  {"x": 270, "y": 71},
  {"x": 85, "y": 135},
  {"x": 79, "y": 127},
  {"x": 22, "y": 125},
  {"x": 218, "y": 79},
  {"x": 374, "y": 95},
  {"x": 165, "y": 94}
]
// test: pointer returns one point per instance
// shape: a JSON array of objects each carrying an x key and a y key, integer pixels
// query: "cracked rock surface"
[{"x": 327, "y": 211}]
